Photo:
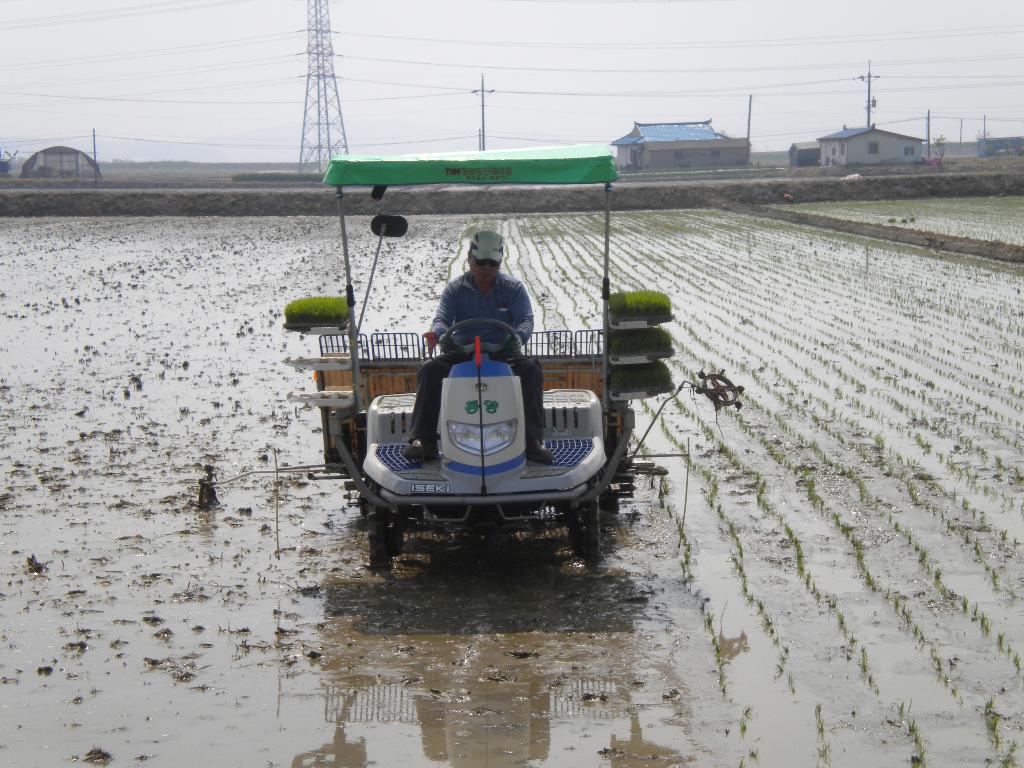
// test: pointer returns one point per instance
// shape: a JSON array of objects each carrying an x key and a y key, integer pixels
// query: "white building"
[{"x": 867, "y": 146}]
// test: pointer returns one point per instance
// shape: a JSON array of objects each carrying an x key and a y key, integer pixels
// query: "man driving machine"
[{"x": 482, "y": 293}]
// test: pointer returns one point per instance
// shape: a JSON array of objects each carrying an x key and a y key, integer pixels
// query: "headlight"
[{"x": 497, "y": 437}]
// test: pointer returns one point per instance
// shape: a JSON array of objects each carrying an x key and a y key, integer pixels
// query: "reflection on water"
[
  {"x": 486, "y": 658},
  {"x": 731, "y": 647}
]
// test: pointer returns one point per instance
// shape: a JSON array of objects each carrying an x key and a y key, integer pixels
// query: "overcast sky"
[{"x": 225, "y": 79}]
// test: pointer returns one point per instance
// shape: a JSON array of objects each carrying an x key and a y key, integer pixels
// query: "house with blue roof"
[
  {"x": 661, "y": 146},
  {"x": 868, "y": 146}
]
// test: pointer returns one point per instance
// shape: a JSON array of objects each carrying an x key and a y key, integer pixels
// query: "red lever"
[{"x": 477, "y": 345}]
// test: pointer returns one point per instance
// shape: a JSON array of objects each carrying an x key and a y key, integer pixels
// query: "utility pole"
[
  {"x": 323, "y": 129},
  {"x": 483, "y": 129},
  {"x": 928, "y": 132},
  {"x": 750, "y": 109},
  {"x": 95, "y": 164},
  {"x": 871, "y": 103},
  {"x": 961, "y": 142}
]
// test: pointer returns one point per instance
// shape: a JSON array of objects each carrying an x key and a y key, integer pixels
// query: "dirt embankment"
[
  {"x": 990, "y": 249},
  {"x": 625, "y": 196}
]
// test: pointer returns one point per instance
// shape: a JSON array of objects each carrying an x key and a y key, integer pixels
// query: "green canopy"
[{"x": 576, "y": 164}]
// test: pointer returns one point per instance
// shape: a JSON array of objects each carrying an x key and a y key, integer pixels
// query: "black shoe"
[
  {"x": 535, "y": 451},
  {"x": 421, "y": 449}
]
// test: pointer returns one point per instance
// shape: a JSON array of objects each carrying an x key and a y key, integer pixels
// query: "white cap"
[{"x": 487, "y": 245}]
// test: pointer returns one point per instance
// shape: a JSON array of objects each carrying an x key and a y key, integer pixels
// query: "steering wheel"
[{"x": 510, "y": 344}]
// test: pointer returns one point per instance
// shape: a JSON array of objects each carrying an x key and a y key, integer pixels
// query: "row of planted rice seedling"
[
  {"x": 999, "y": 465},
  {"x": 898, "y": 606},
  {"x": 892, "y": 381},
  {"x": 767, "y": 622},
  {"x": 982, "y": 622},
  {"x": 757, "y": 603},
  {"x": 727, "y": 302},
  {"x": 809, "y": 483}
]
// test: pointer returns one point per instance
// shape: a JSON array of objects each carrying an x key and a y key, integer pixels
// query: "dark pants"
[{"x": 434, "y": 371}]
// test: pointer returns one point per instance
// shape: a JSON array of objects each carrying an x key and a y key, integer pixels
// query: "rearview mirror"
[{"x": 389, "y": 226}]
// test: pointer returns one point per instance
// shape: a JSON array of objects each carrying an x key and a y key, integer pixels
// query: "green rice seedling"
[
  {"x": 992, "y": 723},
  {"x": 1009, "y": 760},
  {"x": 317, "y": 310},
  {"x": 912, "y": 492},
  {"x": 646, "y": 377},
  {"x": 824, "y": 754},
  {"x": 915, "y": 734},
  {"x": 862, "y": 491},
  {"x": 641, "y": 341},
  {"x": 748, "y": 713},
  {"x": 639, "y": 304}
]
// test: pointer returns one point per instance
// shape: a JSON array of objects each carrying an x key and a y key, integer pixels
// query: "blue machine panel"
[
  {"x": 391, "y": 457},
  {"x": 568, "y": 453}
]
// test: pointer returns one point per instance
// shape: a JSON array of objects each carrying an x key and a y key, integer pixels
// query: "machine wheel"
[
  {"x": 575, "y": 526},
  {"x": 610, "y": 503},
  {"x": 590, "y": 516},
  {"x": 380, "y": 551},
  {"x": 396, "y": 537},
  {"x": 584, "y": 525}
]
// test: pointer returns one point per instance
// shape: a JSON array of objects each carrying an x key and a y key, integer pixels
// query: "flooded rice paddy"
[{"x": 844, "y": 589}]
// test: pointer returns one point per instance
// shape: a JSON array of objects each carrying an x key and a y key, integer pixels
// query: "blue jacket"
[{"x": 507, "y": 301}]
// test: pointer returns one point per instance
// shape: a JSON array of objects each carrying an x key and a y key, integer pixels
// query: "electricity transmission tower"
[{"x": 323, "y": 130}]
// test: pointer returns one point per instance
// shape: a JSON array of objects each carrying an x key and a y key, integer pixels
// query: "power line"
[
  {"x": 153, "y": 52},
  {"x": 997, "y": 30},
  {"x": 224, "y": 67},
  {"x": 454, "y": 89},
  {"x": 137, "y": 100},
  {"x": 619, "y": 71},
  {"x": 113, "y": 14},
  {"x": 730, "y": 92},
  {"x": 281, "y": 145}
]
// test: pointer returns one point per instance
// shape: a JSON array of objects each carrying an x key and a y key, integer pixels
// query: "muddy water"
[{"x": 136, "y": 627}]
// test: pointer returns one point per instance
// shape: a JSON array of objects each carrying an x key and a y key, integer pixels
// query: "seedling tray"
[
  {"x": 638, "y": 394},
  {"x": 316, "y": 329},
  {"x": 319, "y": 363},
  {"x": 639, "y": 309},
  {"x": 343, "y": 399},
  {"x": 635, "y": 382},
  {"x": 316, "y": 314},
  {"x": 630, "y": 323},
  {"x": 638, "y": 359},
  {"x": 644, "y": 345}
]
